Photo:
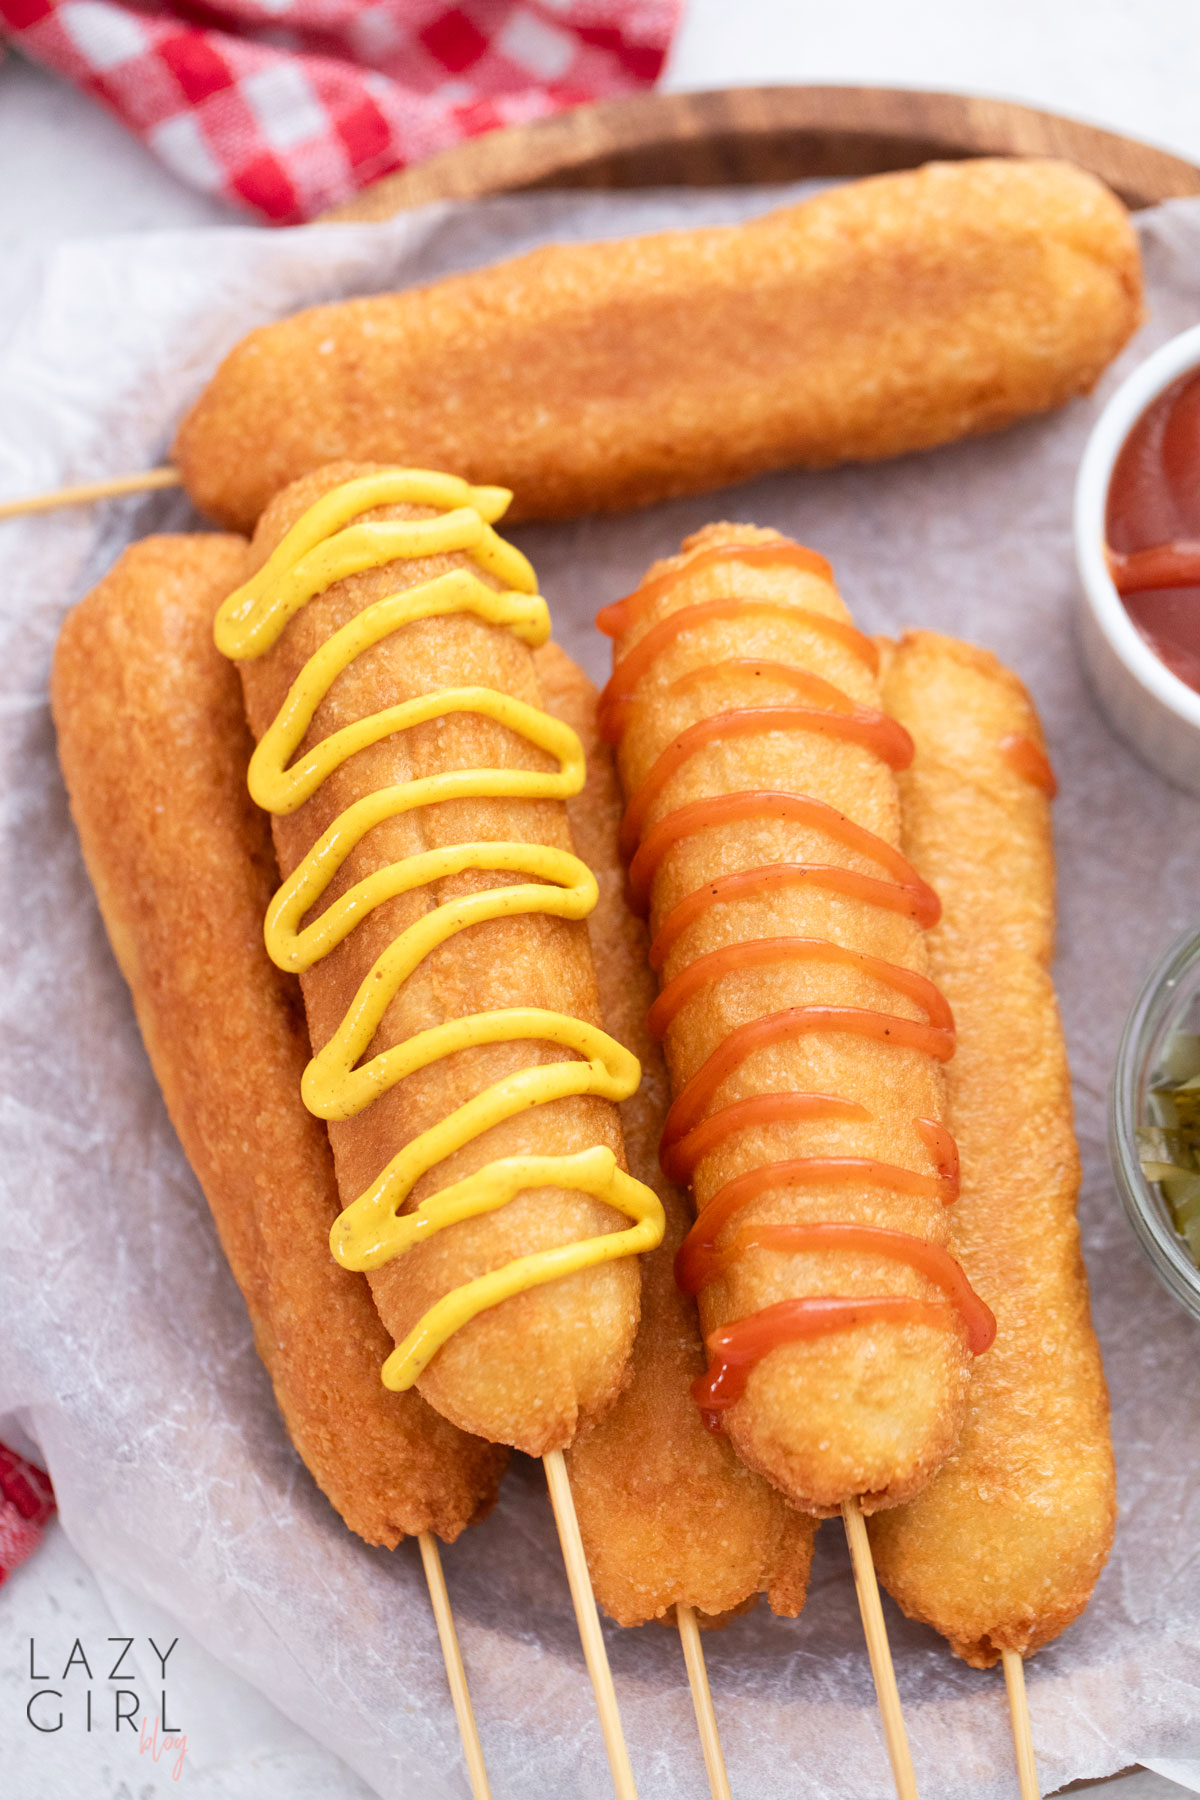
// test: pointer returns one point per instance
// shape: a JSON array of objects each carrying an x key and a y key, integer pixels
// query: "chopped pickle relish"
[{"x": 1169, "y": 1140}]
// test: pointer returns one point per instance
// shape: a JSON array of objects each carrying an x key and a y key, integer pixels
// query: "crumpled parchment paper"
[{"x": 123, "y": 1341}]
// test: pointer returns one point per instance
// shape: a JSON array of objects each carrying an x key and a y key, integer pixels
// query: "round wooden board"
[{"x": 743, "y": 135}]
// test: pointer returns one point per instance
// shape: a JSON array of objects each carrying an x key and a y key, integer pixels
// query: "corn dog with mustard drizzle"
[
  {"x": 803, "y": 1036},
  {"x": 413, "y": 808}
]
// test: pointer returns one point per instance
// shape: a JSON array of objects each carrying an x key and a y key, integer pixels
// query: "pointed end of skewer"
[
  {"x": 1022, "y": 1728},
  {"x": 587, "y": 1618},
  {"x": 456, "y": 1675},
  {"x": 146, "y": 481},
  {"x": 706, "y": 1718},
  {"x": 879, "y": 1650}
]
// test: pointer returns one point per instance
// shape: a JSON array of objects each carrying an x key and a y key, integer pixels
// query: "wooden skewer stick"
[
  {"x": 111, "y": 489},
  {"x": 879, "y": 1650},
  {"x": 1022, "y": 1730},
  {"x": 456, "y": 1675},
  {"x": 706, "y": 1718},
  {"x": 588, "y": 1620}
]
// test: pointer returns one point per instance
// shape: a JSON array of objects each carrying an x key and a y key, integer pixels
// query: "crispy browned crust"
[
  {"x": 153, "y": 745},
  {"x": 870, "y": 1411},
  {"x": 667, "y": 1511},
  {"x": 884, "y": 316},
  {"x": 1003, "y": 1548},
  {"x": 528, "y": 1371}
]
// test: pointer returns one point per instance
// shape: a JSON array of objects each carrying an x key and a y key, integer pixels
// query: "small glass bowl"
[{"x": 1169, "y": 1002}]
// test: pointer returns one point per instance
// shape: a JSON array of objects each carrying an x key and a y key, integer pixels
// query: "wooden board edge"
[{"x": 762, "y": 134}]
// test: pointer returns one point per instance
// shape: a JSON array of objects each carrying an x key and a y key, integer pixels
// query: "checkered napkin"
[
  {"x": 26, "y": 1502},
  {"x": 290, "y": 106}
]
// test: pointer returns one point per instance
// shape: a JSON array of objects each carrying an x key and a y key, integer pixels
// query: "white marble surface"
[
  {"x": 1119, "y": 63},
  {"x": 66, "y": 168}
]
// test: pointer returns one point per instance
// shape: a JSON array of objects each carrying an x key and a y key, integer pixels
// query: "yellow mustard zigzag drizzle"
[{"x": 321, "y": 548}]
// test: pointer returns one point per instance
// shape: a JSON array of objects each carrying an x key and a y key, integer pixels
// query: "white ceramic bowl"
[{"x": 1157, "y": 714}]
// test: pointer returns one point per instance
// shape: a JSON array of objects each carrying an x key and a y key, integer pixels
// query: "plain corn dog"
[
  {"x": 803, "y": 1036},
  {"x": 667, "y": 1511},
  {"x": 528, "y": 1368},
  {"x": 153, "y": 745},
  {"x": 883, "y": 316},
  {"x": 1003, "y": 1548}
]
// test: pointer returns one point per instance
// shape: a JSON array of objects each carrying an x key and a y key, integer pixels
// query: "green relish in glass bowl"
[
  {"x": 1154, "y": 1120},
  {"x": 1169, "y": 1143}
]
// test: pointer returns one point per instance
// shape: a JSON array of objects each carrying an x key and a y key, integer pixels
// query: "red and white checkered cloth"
[
  {"x": 26, "y": 1503},
  {"x": 290, "y": 106}
]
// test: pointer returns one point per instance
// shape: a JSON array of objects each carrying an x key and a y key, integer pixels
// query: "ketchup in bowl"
[{"x": 1153, "y": 527}]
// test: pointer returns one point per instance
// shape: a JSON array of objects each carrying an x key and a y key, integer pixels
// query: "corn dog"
[
  {"x": 407, "y": 806},
  {"x": 803, "y": 1036},
  {"x": 667, "y": 1511},
  {"x": 1003, "y": 1548},
  {"x": 154, "y": 746},
  {"x": 883, "y": 316}
]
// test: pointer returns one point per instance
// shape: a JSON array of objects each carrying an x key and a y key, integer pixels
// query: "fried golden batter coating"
[
  {"x": 883, "y": 316},
  {"x": 871, "y": 1410},
  {"x": 1003, "y": 1548},
  {"x": 667, "y": 1511},
  {"x": 527, "y": 1371},
  {"x": 153, "y": 744}
]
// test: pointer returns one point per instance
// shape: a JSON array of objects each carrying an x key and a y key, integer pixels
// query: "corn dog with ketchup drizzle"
[
  {"x": 803, "y": 1036},
  {"x": 408, "y": 804}
]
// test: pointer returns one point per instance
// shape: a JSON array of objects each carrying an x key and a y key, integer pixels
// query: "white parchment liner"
[{"x": 123, "y": 1340}]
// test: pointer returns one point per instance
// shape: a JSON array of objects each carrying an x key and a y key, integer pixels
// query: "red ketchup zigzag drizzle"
[{"x": 690, "y": 1131}]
